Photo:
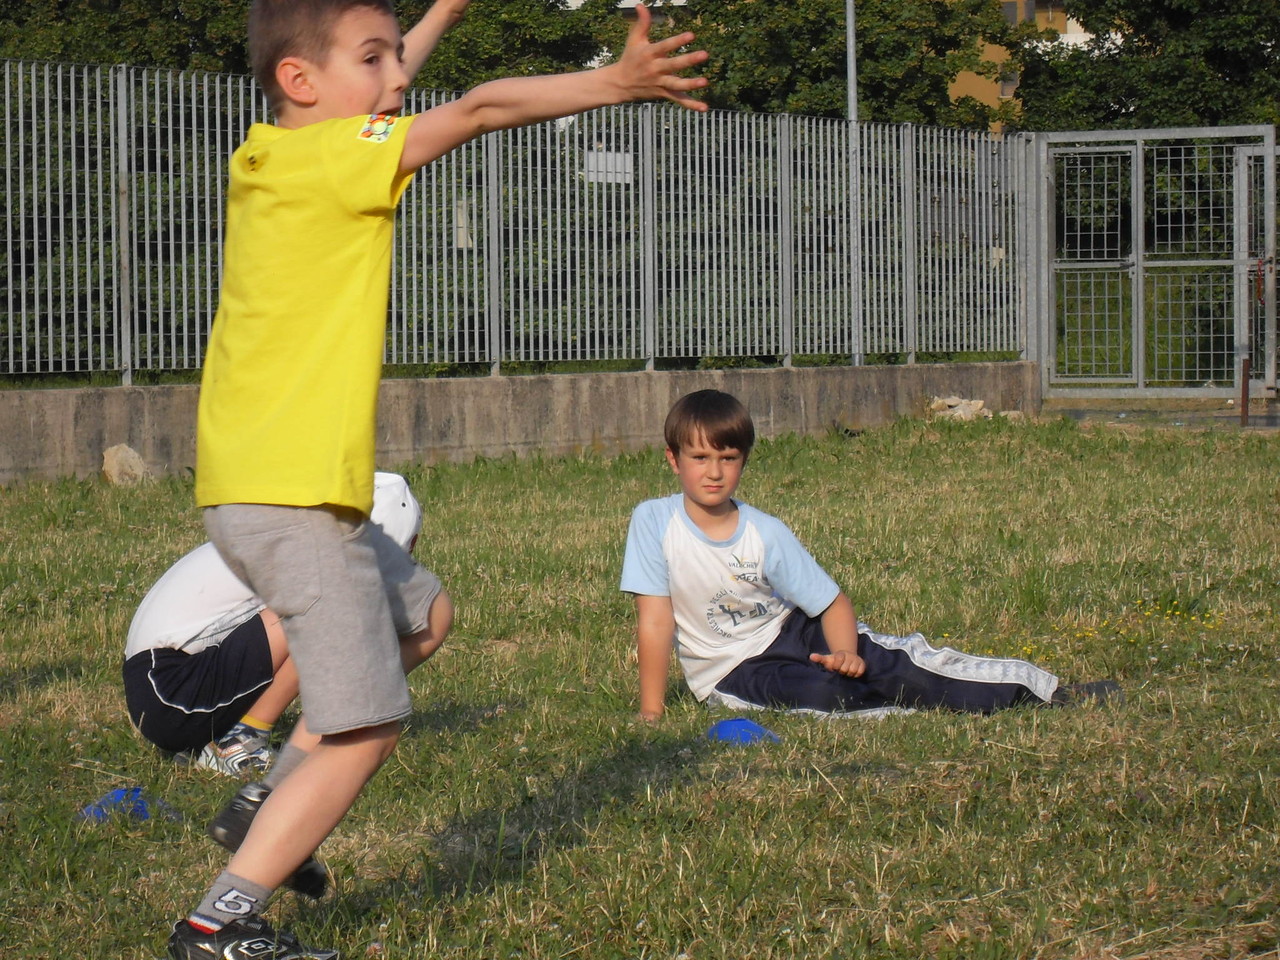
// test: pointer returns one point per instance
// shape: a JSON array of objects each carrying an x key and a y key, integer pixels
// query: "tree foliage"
[
  {"x": 507, "y": 38},
  {"x": 764, "y": 56},
  {"x": 184, "y": 34},
  {"x": 771, "y": 57},
  {"x": 1156, "y": 63},
  {"x": 497, "y": 37}
]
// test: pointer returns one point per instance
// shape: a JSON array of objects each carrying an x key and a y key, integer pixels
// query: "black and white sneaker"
[
  {"x": 240, "y": 752},
  {"x": 248, "y": 939},
  {"x": 231, "y": 825}
]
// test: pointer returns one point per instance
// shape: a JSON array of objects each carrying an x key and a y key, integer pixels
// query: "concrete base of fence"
[{"x": 52, "y": 433}]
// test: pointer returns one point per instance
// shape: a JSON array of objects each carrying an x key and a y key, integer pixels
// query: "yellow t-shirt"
[{"x": 288, "y": 400}]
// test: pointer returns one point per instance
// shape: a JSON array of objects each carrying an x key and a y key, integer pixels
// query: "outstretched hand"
[
  {"x": 649, "y": 70},
  {"x": 842, "y": 661},
  {"x": 455, "y": 8}
]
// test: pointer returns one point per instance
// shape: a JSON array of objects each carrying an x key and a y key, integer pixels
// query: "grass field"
[{"x": 527, "y": 815}]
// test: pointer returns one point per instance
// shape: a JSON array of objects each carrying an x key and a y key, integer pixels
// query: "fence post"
[
  {"x": 1270, "y": 160},
  {"x": 647, "y": 173},
  {"x": 1138, "y": 272},
  {"x": 786, "y": 240},
  {"x": 1242, "y": 285},
  {"x": 494, "y": 268},
  {"x": 859, "y": 356},
  {"x": 1033, "y": 252},
  {"x": 123, "y": 241},
  {"x": 910, "y": 265}
]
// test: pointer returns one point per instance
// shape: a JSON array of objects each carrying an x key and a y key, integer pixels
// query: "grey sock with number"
[{"x": 230, "y": 898}]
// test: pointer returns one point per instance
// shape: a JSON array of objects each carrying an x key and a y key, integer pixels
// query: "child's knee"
[
  {"x": 377, "y": 742},
  {"x": 417, "y": 647},
  {"x": 440, "y": 616}
]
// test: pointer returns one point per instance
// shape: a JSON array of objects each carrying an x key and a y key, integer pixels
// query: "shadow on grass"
[
  {"x": 39, "y": 677},
  {"x": 453, "y": 716},
  {"x": 503, "y": 842}
]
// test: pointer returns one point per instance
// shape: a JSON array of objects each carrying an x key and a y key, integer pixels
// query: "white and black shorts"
[{"x": 181, "y": 701}]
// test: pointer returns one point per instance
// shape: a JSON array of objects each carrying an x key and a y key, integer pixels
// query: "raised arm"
[
  {"x": 840, "y": 630},
  {"x": 655, "y": 637},
  {"x": 420, "y": 42},
  {"x": 647, "y": 70}
]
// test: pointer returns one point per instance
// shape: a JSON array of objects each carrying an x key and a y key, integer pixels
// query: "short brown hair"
[
  {"x": 295, "y": 28},
  {"x": 717, "y": 416}
]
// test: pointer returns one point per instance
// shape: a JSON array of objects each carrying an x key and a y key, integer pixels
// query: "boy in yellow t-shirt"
[{"x": 285, "y": 436}]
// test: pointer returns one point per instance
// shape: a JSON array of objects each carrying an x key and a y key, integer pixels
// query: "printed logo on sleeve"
[{"x": 377, "y": 129}]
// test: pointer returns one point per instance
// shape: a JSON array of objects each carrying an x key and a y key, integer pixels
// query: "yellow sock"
[{"x": 250, "y": 721}]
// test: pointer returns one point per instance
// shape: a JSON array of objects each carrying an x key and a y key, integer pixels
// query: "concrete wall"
[{"x": 51, "y": 433}]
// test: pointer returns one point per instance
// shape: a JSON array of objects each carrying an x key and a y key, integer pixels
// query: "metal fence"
[{"x": 637, "y": 233}]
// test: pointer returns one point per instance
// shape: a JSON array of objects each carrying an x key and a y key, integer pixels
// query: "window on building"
[{"x": 1019, "y": 10}]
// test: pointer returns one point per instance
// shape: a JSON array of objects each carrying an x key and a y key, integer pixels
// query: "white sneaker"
[{"x": 241, "y": 752}]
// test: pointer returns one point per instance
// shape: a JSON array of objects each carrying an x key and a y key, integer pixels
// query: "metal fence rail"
[{"x": 636, "y": 233}]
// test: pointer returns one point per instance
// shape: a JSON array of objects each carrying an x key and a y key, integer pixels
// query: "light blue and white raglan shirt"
[
  {"x": 730, "y": 599},
  {"x": 730, "y": 596}
]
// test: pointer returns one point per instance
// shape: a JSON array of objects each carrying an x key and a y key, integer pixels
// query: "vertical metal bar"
[
  {"x": 477, "y": 331},
  {"x": 515, "y": 261},
  {"x": 710, "y": 295},
  {"x": 45, "y": 250},
  {"x": 103, "y": 214},
  {"x": 493, "y": 251},
  {"x": 854, "y": 219},
  {"x": 11, "y": 196},
  {"x": 1241, "y": 287},
  {"x": 1026, "y": 221},
  {"x": 786, "y": 239},
  {"x": 30, "y": 337},
  {"x": 143, "y": 172},
  {"x": 731, "y": 290},
  {"x": 557, "y": 301},
  {"x": 1267, "y": 263},
  {"x": 124, "y": 226},
  {"x": 646, "y": 172},
  {"x": 869, "y": 256},
  {"x": 724, "y": 289},
  {"x": 202, "y": 162},
  {"x": 910, "y": 228},
  {"x": 1138, "y": 284},
  {"x": 1048, "y": 272},
  {"x": 1033, "y": 254},
  {"x": 63, "y": 236},
  {"x": 982, "y": 211},
  {"x": 806, "y": 213},
  {"x": 585, "y": 291},
  {"x": 180, "y": 242}
]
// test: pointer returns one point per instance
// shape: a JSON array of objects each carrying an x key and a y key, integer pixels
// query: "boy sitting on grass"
[
  {"x": 288, "y": 401},
  {"x": 757, "y": 623}
]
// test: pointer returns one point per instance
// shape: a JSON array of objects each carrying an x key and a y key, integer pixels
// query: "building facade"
[{"x": 1045, "y": 14}]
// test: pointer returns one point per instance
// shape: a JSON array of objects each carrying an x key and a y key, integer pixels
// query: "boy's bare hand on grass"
[
  {"x": 842, "y": 661},
  {"x": 650, "y": 71}
]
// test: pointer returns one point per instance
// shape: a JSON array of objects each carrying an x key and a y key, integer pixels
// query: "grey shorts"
[{"x": 345, "y": 593}]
